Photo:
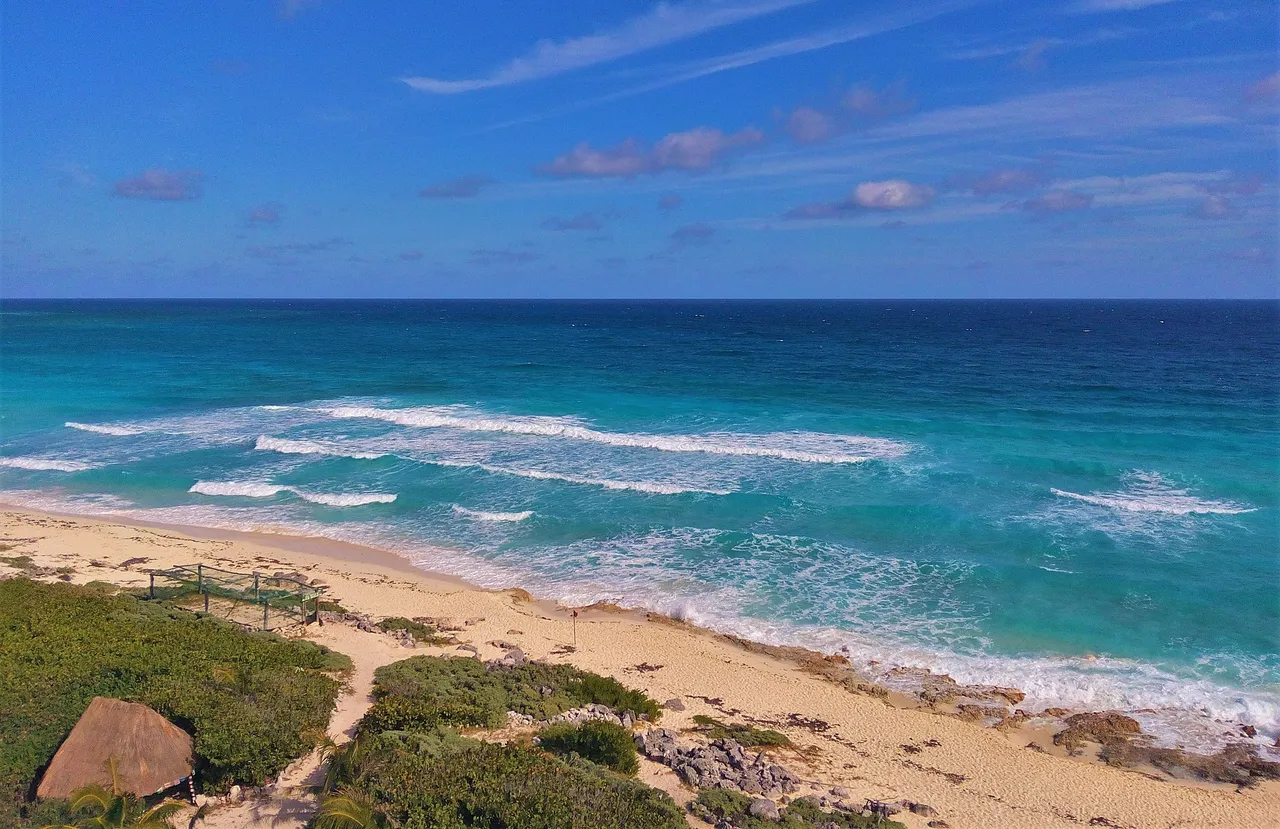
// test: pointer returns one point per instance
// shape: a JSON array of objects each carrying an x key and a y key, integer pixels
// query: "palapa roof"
[{"x": 151, "y": 753}]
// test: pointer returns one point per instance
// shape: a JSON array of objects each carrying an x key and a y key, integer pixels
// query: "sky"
[{"x": 689, "y": 148}]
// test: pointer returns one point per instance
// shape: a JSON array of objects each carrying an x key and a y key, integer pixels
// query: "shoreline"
[
  {"x": 867, "y": 739},
  {"x": 908, "y": 685}
]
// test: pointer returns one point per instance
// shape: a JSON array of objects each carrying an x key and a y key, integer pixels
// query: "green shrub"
[
  {"x": 425, "y": 634},
  {"x": 466, "y": 686},
  {"x": 248, "y": 699},
  {"x": 490, "y": 786},
  {"x": 603, "y": 743},
  {"x": 743, "y": 734},
  {"x": 731, "y": 807}
]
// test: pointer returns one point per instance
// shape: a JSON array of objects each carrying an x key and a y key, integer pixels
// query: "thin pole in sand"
[{"x": 575, "y": 628}]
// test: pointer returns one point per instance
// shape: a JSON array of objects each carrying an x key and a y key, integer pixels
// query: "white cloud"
[
  {"x": 894, "y": 194},
  {"x": 666, "y": 23},
  {"x": 695, "y": 149}
]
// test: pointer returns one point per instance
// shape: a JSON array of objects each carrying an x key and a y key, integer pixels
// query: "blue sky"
[{"x": 693, "y": 148}]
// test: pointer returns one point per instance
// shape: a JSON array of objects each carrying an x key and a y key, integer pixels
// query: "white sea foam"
[
  {"x": 647, "y": 487},
  {"x": 105, "y": 428},
  {"x": 350, "y": 500},
  {"x": 243, "y": 489},
  {"x": 1150, "y": 492},
  {"x": 258, "y": 489},
  {"x": 45, "y": 464},
  {"x": 310, "y": 447},
  {"x": 803, "y": 447},
  {"x": 481, "y": 515}
]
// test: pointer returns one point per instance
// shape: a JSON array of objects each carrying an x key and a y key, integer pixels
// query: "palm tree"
[
  {"x": 349, "y": 809},
  {"x": 115, "y": 809}
]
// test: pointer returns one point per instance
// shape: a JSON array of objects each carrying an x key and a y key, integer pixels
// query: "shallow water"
[{"x": 1075, "y": 498}]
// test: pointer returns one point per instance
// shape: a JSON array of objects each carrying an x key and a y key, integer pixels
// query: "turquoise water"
[{"x": 1079, "y": 499}]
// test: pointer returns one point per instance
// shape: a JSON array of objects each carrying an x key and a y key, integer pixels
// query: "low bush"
[
  {"x": 603, "y": 743},
  {"x": 249, "y": 699},
  {"x": 743, "y": 734},
  {"x": 490, "y": 786},
  {"x": 732, "y": 808},
  {"x": 422, "y": 633},
  {"x": 467, "y": 688}
]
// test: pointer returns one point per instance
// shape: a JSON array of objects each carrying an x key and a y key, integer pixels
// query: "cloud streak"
[
  {"x": 159, "y": 184},
  {"x": 693, "y": 150},
  {"x": 463, "y": 187},
  {"x": 665, "y": 23}
]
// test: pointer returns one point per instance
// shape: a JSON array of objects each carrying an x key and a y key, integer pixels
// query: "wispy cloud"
[
  {"x": 665, "y": 23},
  {"x": 824, "y": 39},
  {"x": 286, "y": 253},
  {"x": 264, "y": 214},
  {"x": 1057, "y": 201},
  {"x": 862, "y": 104},
  {"x": 892, "y": 194},
  {"x": 1215, "y": 207},
  {"x": 290, "y": 9},
  {"x": 1104, "y": 6},
  {"x": 463, "y": 187},
  {"x": 1267, "y": 89},
  {"x": 159, "y": 184},
  {"x": 502, "y": 256},
  {"x": 670, "y": 202},
  {"x": 695, "y": 149},
  {"x": 583, "y": 221}
]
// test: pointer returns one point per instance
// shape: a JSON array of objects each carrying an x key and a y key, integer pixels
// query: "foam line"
[
  {"x": 45, "y": 464},
  {"x": 105, "y": 429},
  {"x": 802, "y": 447},
  {"x": 481, "y": 515}
]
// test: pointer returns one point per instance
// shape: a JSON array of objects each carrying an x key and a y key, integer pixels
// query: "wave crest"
[
  {"x": 1150, "y": 492},
  {"x": 253, "y": 489},
  {"x": 309, "y": 447},
  {"x": 481, "y": 515},
  {"x": 802, "y": 447},
  {"x": 46, "y": 464},
  {"x": 105, "y": 429}
]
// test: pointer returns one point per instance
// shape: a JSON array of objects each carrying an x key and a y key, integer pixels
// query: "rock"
[
  {"x": 841, "y": 792},
  {"x": 765, "y": 809},
  {"x": 235, "y": 794},
  {"x": 674, "y": 704},
  {"x": 1100, "y": 727},
  {"x": 503, "y": 645},
  {"x": 201, "y": 800},
  {"x": 923, "y": 809},
  {"x": 513, "y": 658},
  {"x": 1249, "y": 731},
  {"x": 474, "y": 620},
  {"x": 472, "y": 649},
  {"x": 627, "y": 721},
  {"x": 939, "y": 824}
]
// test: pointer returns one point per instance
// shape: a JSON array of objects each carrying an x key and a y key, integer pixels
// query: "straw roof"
[{"x": 151, "y": 753}]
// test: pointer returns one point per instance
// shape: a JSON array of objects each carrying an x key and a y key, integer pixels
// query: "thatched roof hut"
[{"x": 151, "y": 753}]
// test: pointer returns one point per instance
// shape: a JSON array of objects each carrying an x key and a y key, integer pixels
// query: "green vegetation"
[
  {"x": 426, "y": 691},
  {"x": 407, "y": 767},
  {"x": 732, "y": 807},
  {"x": 603, "y": 743},
  {"x": 743, "y": 734},
  {"x": 251, "y": 700},
  {"x": 102, "y": 808},
  {"x": 424, "y": 634}
]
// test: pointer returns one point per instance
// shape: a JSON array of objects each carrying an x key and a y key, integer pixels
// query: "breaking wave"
[
  {"x": 250, "y": 489},
  {"x": 309, "y": 447},
  {"x": 481, "y": 515},
  {"x": 802, "y": 447},
  {"x": 1150, "y": 492},
  {"x": 105, "y": 429},
  {"x": 45, "y": 464}
]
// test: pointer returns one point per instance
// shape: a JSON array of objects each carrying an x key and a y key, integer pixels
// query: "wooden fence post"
[
  {"x": 266, "y": 605},
  {"x": 151, "y": 593}
]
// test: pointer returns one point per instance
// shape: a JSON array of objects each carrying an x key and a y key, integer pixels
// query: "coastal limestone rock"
[
  {"x": 840, "y": 792},
  {"x": 923, "y": 809},
  {"x": 764, "y": 809},
  {"x": 674, "y": 704},
  {"x": 722, "y": 764}
]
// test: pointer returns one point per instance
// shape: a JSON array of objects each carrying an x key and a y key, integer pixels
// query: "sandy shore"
[{"x": 973, "y": 776}]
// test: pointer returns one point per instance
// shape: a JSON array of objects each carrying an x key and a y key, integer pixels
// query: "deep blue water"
[{"x": 1076, "y": 498}]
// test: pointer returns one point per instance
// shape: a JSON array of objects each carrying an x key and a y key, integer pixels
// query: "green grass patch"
[
  {"x": 250, "y": 700},
  {"x": 603, "y": 743},
  {"x": 743, "y": 734},
  {"x": 732, "y": 807},
  {"x": 425, "y": 691},
  {"x": 23, "y": 563}
]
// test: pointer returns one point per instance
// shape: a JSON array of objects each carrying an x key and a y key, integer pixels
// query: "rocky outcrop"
[
  {"x": 574, "y": 716},
  {"x": 721, "y": 764}
]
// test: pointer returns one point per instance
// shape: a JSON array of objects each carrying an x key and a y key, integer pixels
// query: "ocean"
[{"x": 1076, "y": 498}]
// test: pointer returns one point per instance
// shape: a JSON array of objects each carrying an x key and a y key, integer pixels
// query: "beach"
[{"x": 877, "y": 748}]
